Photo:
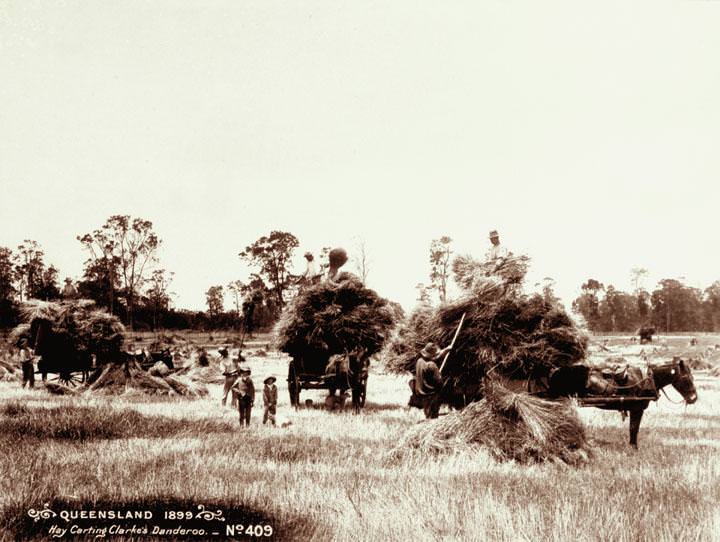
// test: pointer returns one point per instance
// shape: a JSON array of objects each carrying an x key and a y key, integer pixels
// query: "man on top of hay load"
[
  {"x": 428, "y": 380},
  {"x": 496, "y": 250},
  {"x": 312, "y": 275}
]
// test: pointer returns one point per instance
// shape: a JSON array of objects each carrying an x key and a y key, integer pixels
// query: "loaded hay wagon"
[
  {"x": 70, "y": 337},
  {"x": 330, "y": 331}
]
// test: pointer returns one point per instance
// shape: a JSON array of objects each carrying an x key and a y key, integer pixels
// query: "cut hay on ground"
[
  {"x": 334, "y": 318},
  {"x": 510, "y": 426},
  {"x": 504, "y": 331},
  {"x": 122, "y": 378}
]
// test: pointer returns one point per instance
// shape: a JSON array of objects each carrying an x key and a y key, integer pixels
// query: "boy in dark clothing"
[
  {"x": 270, "y": 400},
  {"x": 245, "y": 391}
]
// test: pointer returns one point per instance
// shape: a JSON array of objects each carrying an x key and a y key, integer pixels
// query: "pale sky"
[{"x": 586, "y": 133}]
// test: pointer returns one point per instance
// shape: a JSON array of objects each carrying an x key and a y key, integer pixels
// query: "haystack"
[
  {"x": 505, "y": 331},
  {"x": 510, "y": 426},
  {"x": 334, "y": 318}
]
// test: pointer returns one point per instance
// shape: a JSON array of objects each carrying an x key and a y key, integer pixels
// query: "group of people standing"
[{"x": 239, "y": 385}]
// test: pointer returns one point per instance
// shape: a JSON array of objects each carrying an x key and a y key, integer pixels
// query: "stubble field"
[{"x": 327, "y": 476}]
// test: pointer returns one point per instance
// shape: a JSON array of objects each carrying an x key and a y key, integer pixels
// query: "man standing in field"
[
  {"x": 245, "y": 390},
  {"x": 428, "y": 380},
  {"x": 270, "y": 400},
  {"x": 229, "y": 369},
  {"x": 26, "y": 362}
]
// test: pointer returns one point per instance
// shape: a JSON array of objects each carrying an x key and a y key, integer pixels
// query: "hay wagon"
[{"x": 333, "y": 373}]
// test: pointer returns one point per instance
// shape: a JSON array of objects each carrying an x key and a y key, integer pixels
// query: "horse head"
[{"x": 682, "y": 380}]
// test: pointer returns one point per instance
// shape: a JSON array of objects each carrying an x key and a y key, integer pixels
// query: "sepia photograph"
[{"x": 359, "y": 271}]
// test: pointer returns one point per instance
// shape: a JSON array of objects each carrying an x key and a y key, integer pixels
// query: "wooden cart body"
[{"x": 309, "y": 373}]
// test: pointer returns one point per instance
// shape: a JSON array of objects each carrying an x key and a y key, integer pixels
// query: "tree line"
[
  {"x": 122, "y": 274},
  {"x": 671, "y": 306}
]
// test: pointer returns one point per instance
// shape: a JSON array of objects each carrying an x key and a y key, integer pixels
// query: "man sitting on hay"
[{"x": 428, "y": 381}]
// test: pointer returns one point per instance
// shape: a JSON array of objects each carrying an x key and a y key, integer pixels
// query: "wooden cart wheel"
[
  {"x": 69, "y": 379},
  {"x": 293, "y": 385}
]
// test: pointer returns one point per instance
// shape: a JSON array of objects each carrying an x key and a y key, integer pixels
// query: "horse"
[
  {"x": 348, "y": 371},
  {"x": 623, "y": 388}
]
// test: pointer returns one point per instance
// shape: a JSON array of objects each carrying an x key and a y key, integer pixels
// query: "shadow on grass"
[
  {"x": 79, "y": 423},
  {"x": 151, "y": 518}
]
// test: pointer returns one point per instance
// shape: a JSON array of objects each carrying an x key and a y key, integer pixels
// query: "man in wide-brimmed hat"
[
  {"x": 69, "y": 291},
  {"x": 428, "y": 380},
  {"x": 496, "y": 250},
  {"x": 270, "y": 400},
  {"x": 245, "y": 391}
]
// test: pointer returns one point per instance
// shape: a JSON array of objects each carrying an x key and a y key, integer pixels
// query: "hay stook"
[{"x": 509, "y": 425}]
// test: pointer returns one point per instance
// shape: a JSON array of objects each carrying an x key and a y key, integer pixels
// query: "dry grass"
[{"x": 325, "y": 478}]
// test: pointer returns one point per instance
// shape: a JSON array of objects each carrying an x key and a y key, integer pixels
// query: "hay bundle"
[
  {"x": 504, "y": 331},
  {"x": 334, "y": 317},
  {"x": 511, "y": 426}
]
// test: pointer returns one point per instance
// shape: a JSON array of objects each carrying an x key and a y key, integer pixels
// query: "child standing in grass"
[
  {"x": 245, "y": 390},
  {"x": 270, "y": 400}
]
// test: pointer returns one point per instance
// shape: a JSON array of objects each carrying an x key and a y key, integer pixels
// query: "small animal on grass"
[
  {"x": 336, "y": 402},
  {"x": 623, "y": 388}
]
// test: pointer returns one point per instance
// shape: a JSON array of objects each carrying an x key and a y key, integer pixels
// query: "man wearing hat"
[
  {"x": 428, "y": 380},
  {"x": 245, "y": 391},
  {"x": 229, "y": 369},
  {"x": 270, "y": 400},
  {"x": 496, "y": 250},
  {"x": 311, "y": 275},
  {"x": 69, "y": 291}
]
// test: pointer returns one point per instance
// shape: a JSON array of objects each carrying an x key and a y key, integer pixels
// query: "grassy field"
[{"x": 327, "y": 476}]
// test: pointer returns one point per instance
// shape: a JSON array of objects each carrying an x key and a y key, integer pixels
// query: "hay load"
[
  {"x": 76, "y": 327},
  {"x": 334, "y": 317},
  {"x": 505, "y": 331},
  {"x": 67, "y": 334},
  {"x": 510, "y": 426}
]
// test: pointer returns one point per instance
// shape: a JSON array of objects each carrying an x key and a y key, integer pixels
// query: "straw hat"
[{"x": 494, "y": 233}]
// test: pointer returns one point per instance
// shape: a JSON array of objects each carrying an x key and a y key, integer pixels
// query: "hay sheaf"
[
  {"x": 510, "y": 426},
  {"x": 335, "y": 317},
  {"x": 504, "y": 330}
]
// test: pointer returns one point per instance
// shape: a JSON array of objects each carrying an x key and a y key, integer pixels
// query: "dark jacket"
[
  {"x": 427, "y": 377},
  {"x": 270, "y": 395},
  {"x": 245, "y": 388}
]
